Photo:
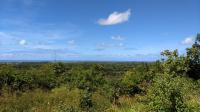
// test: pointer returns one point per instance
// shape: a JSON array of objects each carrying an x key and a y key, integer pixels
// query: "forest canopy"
[{"x": 171, "y": 84}]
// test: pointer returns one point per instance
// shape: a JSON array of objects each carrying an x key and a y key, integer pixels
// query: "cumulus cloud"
[
  {"x": 22, "y": 42},
  {"x": 115, "y": 18},
  {"x": 120, "y": 38},
  {"x": 188, "y": 41}
]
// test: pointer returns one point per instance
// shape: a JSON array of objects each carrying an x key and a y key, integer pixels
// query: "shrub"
[
  {"x": 169, "y": 93},
  {"x": 86, "y": 101}
]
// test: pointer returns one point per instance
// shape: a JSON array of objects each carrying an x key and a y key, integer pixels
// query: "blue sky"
[{"x": 102, "y": 30}]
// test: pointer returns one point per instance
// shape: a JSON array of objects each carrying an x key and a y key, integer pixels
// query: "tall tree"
[{"x": 193, "y": 56}]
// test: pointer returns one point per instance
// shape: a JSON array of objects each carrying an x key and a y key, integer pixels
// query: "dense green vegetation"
[{"x": 169, "y": 85}]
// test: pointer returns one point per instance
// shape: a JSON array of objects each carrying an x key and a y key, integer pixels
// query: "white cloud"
[
  {"x": 188, "y": 41},
  {"x": 71, "y": 45},
  {"x": 115, "y": 18},
  {"x": 44, "y": 47},
  {"x": 71, "y": 42},
  {"x": 121, "y": 44},
  {"x": 22, "y": 42},
  {"x": 104, "y": 46},
  {"x": 117, "y": 38},
  {"x": 49, "y": 47},
  {"x": 6, "y": 55},
  {"x": 5, "y": 36}
]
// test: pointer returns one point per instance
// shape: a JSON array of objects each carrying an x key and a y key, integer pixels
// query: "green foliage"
[
  {"x": 193, "y": 58},
  {"x": 132, "y": 77},
  {"x": 58, "y": 68},
  {"x": 101, "y": 101},
  {"x": 86, "y": 101},
  {"x": 165, "y": 86},
  {"x": 174, "y": 63},
  {"x": 169, "y": 93},
  {"x": 188, "y": 65},
  {"x": 89, "y": 80}
]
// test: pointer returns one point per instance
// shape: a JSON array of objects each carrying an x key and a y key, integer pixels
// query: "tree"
[
  {"x": 173, "y": 63},
  {"x": 193, "y": 59},
  {"x": 188, "y": 65},
  {"x": 58, "y": 68}
]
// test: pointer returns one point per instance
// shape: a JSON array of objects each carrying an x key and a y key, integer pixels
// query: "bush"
[
  {"x": 169, "y": 94},
  {"x": 86, "y": 101}
]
